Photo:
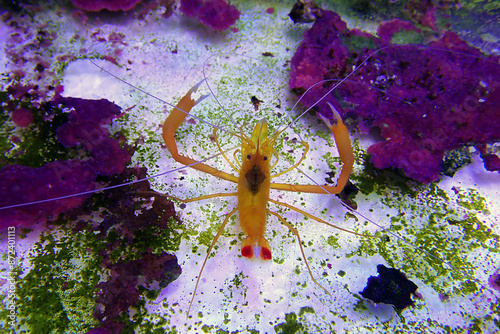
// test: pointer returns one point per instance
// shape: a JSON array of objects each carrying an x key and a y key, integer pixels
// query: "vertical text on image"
[{"x": 11, "y": 258}]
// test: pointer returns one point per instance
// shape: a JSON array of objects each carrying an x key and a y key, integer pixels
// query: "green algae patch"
[
  {"x": 482, "y": 6},
  {"x": 36, "y": 144},
  {"x": 75, "y": 260},
  {"x": 297, "y": 270},
  {"x": 380, "y": 181},
  {"x": 358, "y": 43},
  {"x": 206, "y": 237},
  {"x": 236, "y": 286},
  {"x": 456, "y": 159},
  {"x": 60, "y": 286},
  {"x": 155, "y": 324},
  {"x": 290, "y": 326},
  {"x": 404, "y": 37},
  {"x": 438, "y": 241},
  {"x": 360, "y": 304},
  {"x": 471, "y": 199},
  {"x": 333, "y": 241},
  {"x": 238, "y": 279},
  {"x": 306, "y": 309},
  {"x": 207, "y": 329}
]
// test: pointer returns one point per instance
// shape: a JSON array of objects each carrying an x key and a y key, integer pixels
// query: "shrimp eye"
[
  {"x": 249, "y": 157},
  {"x": 265, "y": 158}
]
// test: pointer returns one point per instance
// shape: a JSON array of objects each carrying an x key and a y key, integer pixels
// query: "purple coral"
[
  {"x": 99, "y": 330},
  {"x": 190, "y": 8},
  {"x": 135, "y": 275},
  {"x": 494, "y": 280},
  {"x": 426, "y": 101},
  {"x": 491, "y": 162},
  {"x": 121, "y": 291},
  {"x": 21, "y": 184},
  {"x": 98, "y": 5},
  {"x": 217, "y": 14},
  {"x": 84, "y": 128},
  {"x": 22, "y": 117}
]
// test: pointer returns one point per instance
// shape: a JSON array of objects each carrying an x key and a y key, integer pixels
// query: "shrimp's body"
[
  {"x": 254, "y": 179},
  {"x": 254, "y": 184}
]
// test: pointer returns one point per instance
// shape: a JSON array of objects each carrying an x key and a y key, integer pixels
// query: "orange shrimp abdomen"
[{"x": 253, "y": 194}]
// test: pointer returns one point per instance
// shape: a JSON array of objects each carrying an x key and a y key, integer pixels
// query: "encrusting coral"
[{"x": 425, "y": 100}]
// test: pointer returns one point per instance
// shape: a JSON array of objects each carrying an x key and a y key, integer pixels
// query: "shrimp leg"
[
  {"x": 294, "y": 231},
  {"x": 221, "y": 228},
  {"x": 172, "y": 123},
  {"x": 319, "y": 220},
  {"x": 344, "y": 147},
  {"x": 188, "y": 200}
]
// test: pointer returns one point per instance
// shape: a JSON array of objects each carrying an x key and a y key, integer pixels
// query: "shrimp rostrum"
[{"x": 255, "y": 178}]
